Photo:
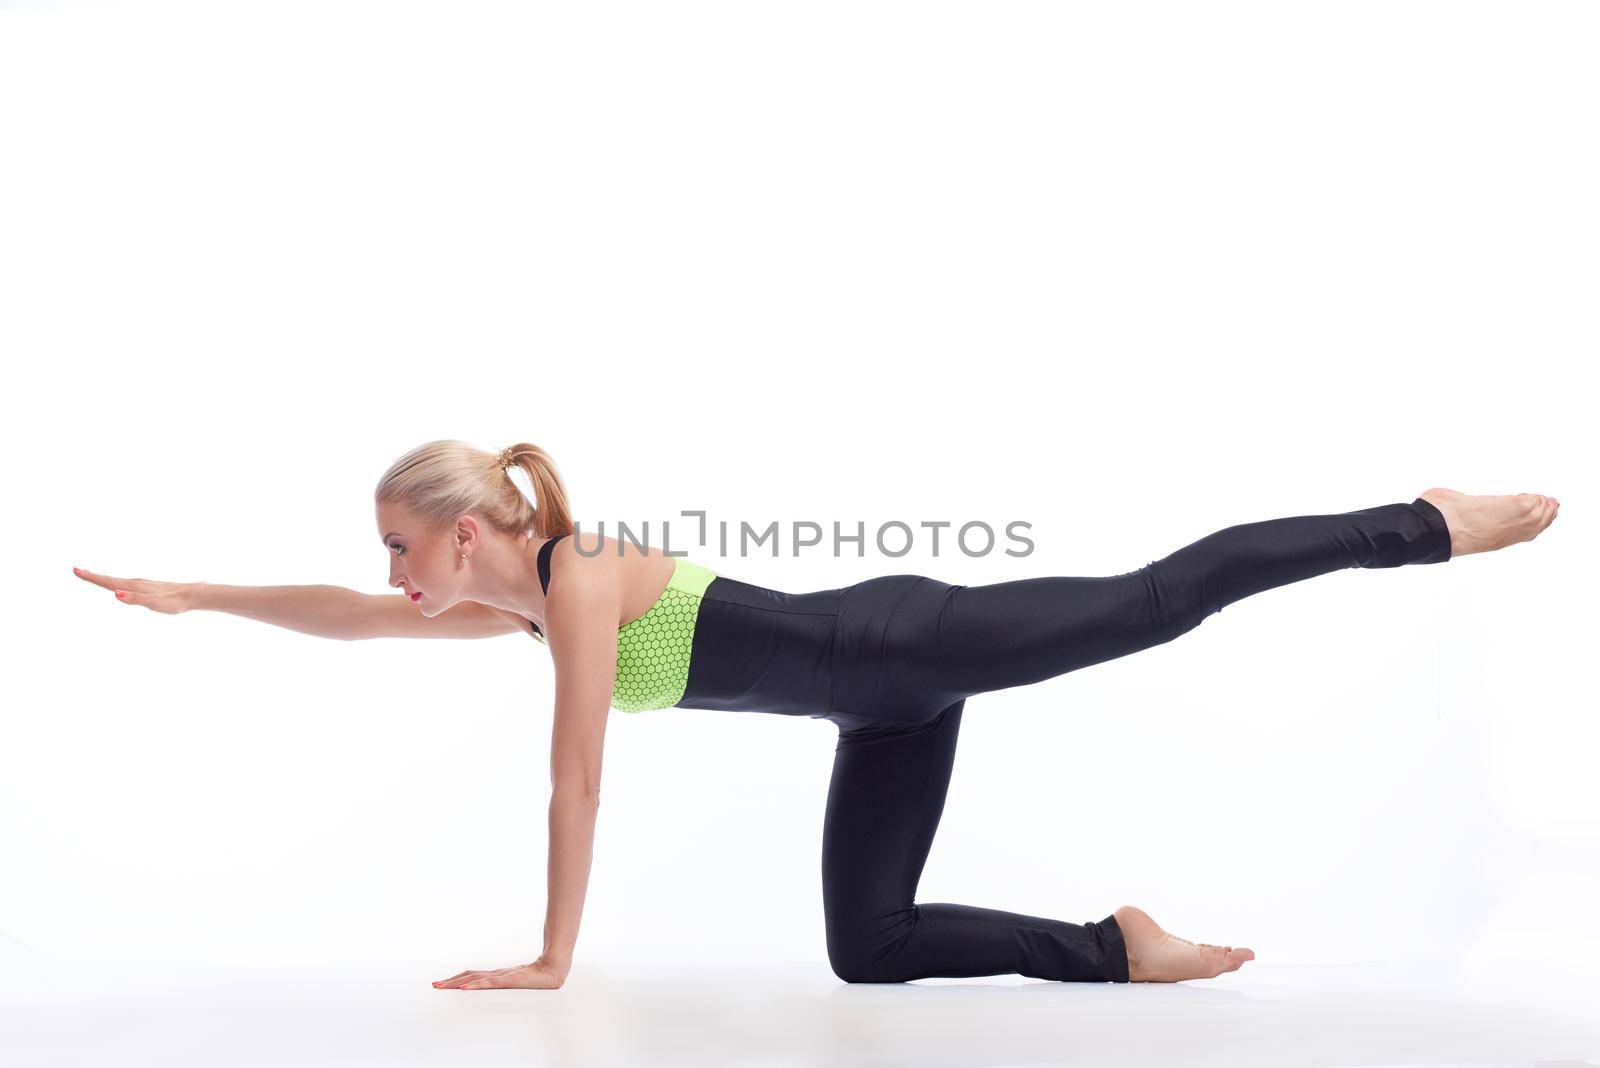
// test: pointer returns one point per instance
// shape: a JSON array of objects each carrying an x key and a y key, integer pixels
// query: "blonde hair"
[{"x": 440, "y": 480}]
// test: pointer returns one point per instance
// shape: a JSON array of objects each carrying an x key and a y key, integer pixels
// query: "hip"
[{"x": 852, "y": 654}]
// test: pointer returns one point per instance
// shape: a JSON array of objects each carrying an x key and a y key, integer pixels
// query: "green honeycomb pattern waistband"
[{"x": 653, "y": 651}]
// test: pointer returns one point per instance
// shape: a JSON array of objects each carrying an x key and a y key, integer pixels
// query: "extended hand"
[
  {"x": 168, "y": 598},
  {"x": 540, "y": 975}
]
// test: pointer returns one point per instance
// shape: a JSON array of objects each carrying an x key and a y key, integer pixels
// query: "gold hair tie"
[{"x": 504, "y": 459}]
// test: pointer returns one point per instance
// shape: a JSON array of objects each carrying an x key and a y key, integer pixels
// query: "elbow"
[{"x": 582, "y": 792}]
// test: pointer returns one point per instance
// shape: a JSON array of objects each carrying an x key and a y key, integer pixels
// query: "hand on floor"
[{"x": 540, "y": 975}]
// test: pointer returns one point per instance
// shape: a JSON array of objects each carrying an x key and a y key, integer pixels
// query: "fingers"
[
  {"x": 459, "y": 980},
  {"x": 495, "y": 980},
  {"x": 128, "y": 591},
  {"x": 123, "y": 588},
  {"x": 476, "y": 979},
  {"x": 102, "y": 580}
]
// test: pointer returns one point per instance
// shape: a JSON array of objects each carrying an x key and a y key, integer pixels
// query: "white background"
[{"x": 1128, "y": 272}]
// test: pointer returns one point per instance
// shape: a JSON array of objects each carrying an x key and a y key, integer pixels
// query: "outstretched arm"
[{"x": 323, "y": 611}]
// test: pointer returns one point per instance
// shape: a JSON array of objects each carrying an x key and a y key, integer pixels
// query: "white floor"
[{"x": 761, "y": 1012}]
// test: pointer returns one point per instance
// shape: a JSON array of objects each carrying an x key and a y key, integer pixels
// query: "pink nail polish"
[{"x": 120, "y": 597}]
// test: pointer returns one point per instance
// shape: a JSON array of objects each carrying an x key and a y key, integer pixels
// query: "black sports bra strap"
[{"x": 544, "y": 562}]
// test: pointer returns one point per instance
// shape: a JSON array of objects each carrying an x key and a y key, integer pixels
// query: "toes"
[{"x": 1234, "y": 959}]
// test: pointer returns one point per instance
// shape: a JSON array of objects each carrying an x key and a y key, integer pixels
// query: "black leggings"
[{"x": 892, "y": 661}]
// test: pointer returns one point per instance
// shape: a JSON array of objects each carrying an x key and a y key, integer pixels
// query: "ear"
[{"x": 468, "y": 533}]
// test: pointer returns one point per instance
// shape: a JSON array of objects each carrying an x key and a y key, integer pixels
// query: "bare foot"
[
  {"x": 1154, "y": 956},
  {"x": 1480, "y": 524}
]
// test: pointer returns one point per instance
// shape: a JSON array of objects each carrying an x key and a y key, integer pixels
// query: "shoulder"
[
  {"x": 577, "y": 558},
  {"x": 591, "y": 547},
  {"x": 584, "y": 579},
  {"x": 587, "y": 544}
]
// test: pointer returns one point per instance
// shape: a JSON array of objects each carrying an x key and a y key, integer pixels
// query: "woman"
[{"x": 891, "y": 661}]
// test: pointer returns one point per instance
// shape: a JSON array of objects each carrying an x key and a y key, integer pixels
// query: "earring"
[{"x": 463, "y": 558}]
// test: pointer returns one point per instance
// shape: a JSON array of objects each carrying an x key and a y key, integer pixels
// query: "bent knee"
[
  {"x": 860, "y": 972},
  {"x": 1171, "y": 604},
  {"x": 854, "y": 960},
  {"x": 862, "y": 963}
]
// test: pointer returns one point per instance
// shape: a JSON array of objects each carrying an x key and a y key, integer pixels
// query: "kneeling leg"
[{"x": 884, "y": 803}]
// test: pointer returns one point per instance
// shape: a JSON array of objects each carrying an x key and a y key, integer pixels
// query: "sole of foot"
[
  {"x": 1481, "y": 524},
  {"x": 1154, "y": 956}
]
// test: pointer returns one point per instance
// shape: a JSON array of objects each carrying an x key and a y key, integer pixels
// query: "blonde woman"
[{"x": 891, "y": 661}]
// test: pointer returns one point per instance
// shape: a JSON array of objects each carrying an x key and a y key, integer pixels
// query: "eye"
[{"x": 399, "y": 550}]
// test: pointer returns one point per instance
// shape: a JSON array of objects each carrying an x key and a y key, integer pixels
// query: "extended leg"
[
  {"x": 964, "y": 640},
  {"x": 884, "y": 803}
]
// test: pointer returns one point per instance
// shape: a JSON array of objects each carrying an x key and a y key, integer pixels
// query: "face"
[{"x": 422, "y": 561}]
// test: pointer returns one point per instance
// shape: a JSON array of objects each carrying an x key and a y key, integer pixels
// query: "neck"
[{"x": 509, "y": 578}]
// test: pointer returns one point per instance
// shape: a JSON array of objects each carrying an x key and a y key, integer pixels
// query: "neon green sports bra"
[{"x": 653, "y": 651}]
